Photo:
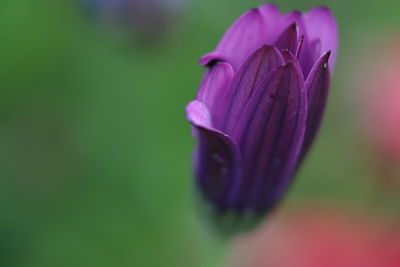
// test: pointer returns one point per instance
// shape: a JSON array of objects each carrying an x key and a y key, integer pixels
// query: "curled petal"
[
  {"x": 317, "y": 86},
  {"x": 214, "y": 85},
  {"x": 270, "y": 134},
  {"x": 217, "y": 158},
  {"x": 198, "y": 114},
  {"x": 322, "y": 32},
  {"x": 242, "y": 38}
]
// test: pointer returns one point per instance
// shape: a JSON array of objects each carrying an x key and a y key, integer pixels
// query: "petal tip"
[
  {"x": 293, "y": 65},
  {"x": 322, "y": 9},
  {"x": 325, "y": 58},
  {"x": 296, "y": 13},
  {"x": 210, "y": 59},
  {"x": 294, "y": 27},
  {"x": 253, "y": 12},
  {"x": 327, "y": 54},
  {"x": 269, "y": 6},
  {"x": 197, "y": 114}
]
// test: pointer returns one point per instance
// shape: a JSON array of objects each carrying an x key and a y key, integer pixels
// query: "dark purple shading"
[
  {"x": 217, "y": 158},
  {"x": 317, "y": 86},
  {"x": 270, "y": 135},
  {"x": 289, "y": 39},
  {"x": 252, "y": 72}
]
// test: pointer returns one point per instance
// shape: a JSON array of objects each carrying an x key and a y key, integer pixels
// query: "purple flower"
[{"x": 259, "y": 106}]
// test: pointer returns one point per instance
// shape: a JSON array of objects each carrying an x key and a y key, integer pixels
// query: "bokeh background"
[{"x": 95, "y": 152}]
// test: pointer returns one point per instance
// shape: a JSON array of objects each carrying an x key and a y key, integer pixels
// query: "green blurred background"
[{"x": 95, "y": 152}]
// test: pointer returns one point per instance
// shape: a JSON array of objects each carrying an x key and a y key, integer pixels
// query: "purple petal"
[
  {"x": 275, "y": 22},
  {"x": 270, "y": 134},
  {"x": 288, "y": 56},
  {"x": 198, "y": 114},
  {"x": 217, "y": 158},
  {"x": 299, "y": 47},
  {"x": 317, "y": 86},
  {"x": 214, "y": 85},
  {"x": 289, "y": 39},
  {"x": 322, "y": 32},
  {"x": 242, "y": 38},
  {"x": 249, "y": 77},
  {"x": 308, "y": 54}
]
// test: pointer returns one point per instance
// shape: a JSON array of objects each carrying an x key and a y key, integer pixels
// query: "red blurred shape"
[{"x": 319, "y": 239}]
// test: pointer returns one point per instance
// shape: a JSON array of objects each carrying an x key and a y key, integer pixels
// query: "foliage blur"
[{"x": 95, "y": 158}]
